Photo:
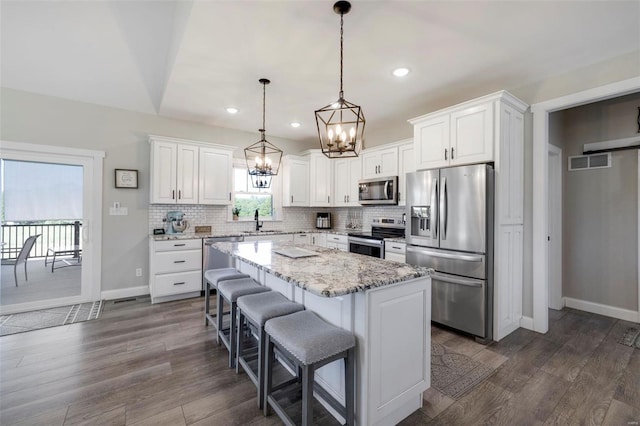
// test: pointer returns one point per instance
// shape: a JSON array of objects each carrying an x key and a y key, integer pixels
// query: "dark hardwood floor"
[{"x": 158, "y": 365}]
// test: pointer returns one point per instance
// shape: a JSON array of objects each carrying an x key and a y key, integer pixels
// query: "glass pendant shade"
[
  {"x": 341, "y": 124},
  {"x": 263, "y": 158}
]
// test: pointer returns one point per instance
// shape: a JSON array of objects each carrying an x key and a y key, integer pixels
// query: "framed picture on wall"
[{"x": 126, "y": 178}]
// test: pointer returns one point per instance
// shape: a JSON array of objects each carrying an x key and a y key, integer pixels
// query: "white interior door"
[
  {"x": 555, "y": 228},
  {"x": 91, "y": 234}
]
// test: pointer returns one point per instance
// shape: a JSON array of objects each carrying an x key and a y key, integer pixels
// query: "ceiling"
[{"x": 190, "y": 60}]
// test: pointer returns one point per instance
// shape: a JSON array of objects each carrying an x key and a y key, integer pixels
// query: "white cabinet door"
[
  {"x": 472, "y": 135},
  {"x": 302, "y": 238},
  {"x": 187, "y": 174},
  {"x": 215, "y": 176},
  {"x": 406, "y": 164},
  {"x": 164, "y": 159},
  {"x": 341, "y": 182},
  {"x": 296, "y": 182},
  {"x": 431, "y": 141},
  {"x": 378, "y": 162},
  {"x": 355, "y": 174},
  {"x": 319, "y": 239},
  {"x": 319, "y": 180}
]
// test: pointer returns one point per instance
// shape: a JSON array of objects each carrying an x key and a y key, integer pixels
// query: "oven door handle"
[{"x": 366, "y": 242}]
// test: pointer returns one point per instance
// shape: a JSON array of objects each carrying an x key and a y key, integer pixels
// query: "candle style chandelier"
[
  {"x": 341, "y": 123},
  {"x": 263, "y": 157}
]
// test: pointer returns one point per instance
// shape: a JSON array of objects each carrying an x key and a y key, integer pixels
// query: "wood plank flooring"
[{"x": 143, "y": 364}]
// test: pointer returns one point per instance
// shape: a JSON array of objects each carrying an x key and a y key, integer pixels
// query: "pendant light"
[
  {"x": 341, "y": 123},
  {"x": 263, "y": 158}
]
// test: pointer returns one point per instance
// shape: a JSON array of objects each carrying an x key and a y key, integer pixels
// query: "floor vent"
[
  {"x": 132, "y": 299},
  {"x": 593, "y": 161}
]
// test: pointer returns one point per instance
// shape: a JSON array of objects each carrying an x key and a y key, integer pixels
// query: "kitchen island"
[{"x": 387, "y": 305}]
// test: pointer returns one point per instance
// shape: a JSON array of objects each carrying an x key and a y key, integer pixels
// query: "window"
[{"x": 248, "y": 198}]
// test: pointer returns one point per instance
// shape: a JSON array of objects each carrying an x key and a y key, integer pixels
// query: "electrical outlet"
[{"x": 138, "y": 272}]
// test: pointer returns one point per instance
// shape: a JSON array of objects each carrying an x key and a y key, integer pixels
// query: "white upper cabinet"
[
  {"x": 295, "y": 181},
  {"x": 431, "y": 142},
  {"x": 379, "y": 162},
  {"x": 174, "y": 173},
  {"x": 406, "y": 164},
  {"x": 320, "y": 179},
  {"x": 463, "y": 134},
  {"x": 216, "y": 171},
  {"x": 189, "y": 172},
  {"x": 472, "y": 135},
  {"x": 346, "y": 173}
]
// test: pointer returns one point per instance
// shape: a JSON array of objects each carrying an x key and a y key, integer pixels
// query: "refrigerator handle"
[
  {"x": 456, "y": 280},
  {"x": 434, "y": 210},
  {"x": 443, "y": 209}
]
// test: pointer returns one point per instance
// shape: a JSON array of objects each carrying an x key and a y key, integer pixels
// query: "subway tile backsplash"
[{"x": 293, "y": 218}]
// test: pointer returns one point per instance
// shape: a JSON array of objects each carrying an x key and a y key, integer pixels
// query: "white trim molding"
[
  {"x": 526, "y": 323},
  {"x": 540, "y": 212},
  {"x": 600, "y": 309},
  {"x": 123, "y": 293}
]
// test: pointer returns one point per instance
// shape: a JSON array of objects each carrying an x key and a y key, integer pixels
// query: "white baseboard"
[
  {"x": 527, "y": 322},
  {"x": 606, "y": 310},
  {"x": 124, "y": 293}
]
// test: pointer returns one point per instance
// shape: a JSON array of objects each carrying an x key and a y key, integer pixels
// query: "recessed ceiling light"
[
  {"x": 401, "y": 72},
  {"x": 295, "y": 124},
  {"x": 232, "y": 110}
]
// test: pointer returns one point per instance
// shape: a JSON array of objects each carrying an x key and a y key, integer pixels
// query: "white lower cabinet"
[
  {"x": 395, "y": 251},
  {"x": 338, "y": 242},
  {"x": 175, "y": 269},
  {"x": 319, "y": 239},
  {"x": 270, "y": 237},
  {"x": 302, "y": 238}
]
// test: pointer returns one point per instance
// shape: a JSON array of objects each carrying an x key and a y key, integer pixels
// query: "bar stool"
[
  {"x": 212, "y": 277},
  {"x": 309, "y": 342},
  {"x": 257, "y": 309},
  {"x": 229, "y": 291}
]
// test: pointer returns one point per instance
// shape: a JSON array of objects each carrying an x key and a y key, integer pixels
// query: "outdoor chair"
[{"x": 23, "y": 256}]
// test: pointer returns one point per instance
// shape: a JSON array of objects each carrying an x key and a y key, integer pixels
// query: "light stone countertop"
[
  {"x": 330, "y": 273},
  {"x": 193, "y": 235}
]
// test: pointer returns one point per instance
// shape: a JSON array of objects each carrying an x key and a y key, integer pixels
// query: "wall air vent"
[{"x": 593, "y": 161}]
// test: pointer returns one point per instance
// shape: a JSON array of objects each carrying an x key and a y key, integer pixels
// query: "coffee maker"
[{"x": 176, "y": 224}]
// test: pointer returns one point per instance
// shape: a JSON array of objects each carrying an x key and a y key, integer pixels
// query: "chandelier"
[
  {"x": 263, "y": 157},
  {"x": 341, "y": 123}
]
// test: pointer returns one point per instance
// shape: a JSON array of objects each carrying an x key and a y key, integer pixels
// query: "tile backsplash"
[{"x": 293, "y": 218}]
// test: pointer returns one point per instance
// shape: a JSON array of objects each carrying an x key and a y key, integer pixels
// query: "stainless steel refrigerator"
[{"x": 450, "y": 229}]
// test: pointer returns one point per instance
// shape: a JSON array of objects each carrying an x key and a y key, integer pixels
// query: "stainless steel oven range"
[{"x": 372, "y": 243}]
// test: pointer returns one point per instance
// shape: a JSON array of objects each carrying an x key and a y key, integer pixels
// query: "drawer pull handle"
[
  {"x": 179, "y": 245},
  {"x": 179, "y": 261},
  {"x": 396, "y": 247},
  {"x": 183, "y": 282}
]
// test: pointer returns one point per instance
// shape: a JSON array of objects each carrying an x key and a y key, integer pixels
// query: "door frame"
[
  {"x": 92, "y": 163},
  {"x": 540, "y": 212},
  {"x": 555, "y": 227}
]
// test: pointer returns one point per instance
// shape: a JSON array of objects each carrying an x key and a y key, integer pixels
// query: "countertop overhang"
[{"x": 329, "y": 273}]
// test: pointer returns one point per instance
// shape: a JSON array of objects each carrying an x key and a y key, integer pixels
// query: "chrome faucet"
[{"x": 258, "y": 224}]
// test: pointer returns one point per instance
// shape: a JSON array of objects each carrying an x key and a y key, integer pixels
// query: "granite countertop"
[
  {"x": 396, "y": 240},
  {"x": 192, "y": 235},
  {"x": 330, "y": 273}
]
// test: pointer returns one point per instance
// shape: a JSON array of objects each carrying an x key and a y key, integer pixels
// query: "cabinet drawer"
[
  {"x": 183, "y": 282},
  {"x": 172, "y": 245},
  {"x": 340, "y": 239},
  {"x": 391, "y": 247},
  {"x": 177, "y": 261}
]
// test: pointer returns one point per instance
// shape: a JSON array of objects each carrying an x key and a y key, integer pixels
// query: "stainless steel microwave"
[{"x": 382, "y": 191}]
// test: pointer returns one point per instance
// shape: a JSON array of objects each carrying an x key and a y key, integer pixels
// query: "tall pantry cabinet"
[{"x": 484, "y": 130}]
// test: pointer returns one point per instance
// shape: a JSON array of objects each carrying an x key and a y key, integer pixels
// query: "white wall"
[{"x": 27, "y": 117}]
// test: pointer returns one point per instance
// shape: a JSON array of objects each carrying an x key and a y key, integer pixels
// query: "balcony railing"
[{"x": 60, "y": 236}]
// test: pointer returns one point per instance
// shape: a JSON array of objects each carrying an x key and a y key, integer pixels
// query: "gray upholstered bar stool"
[
  {"x": 257, "y": 309},
  {"x": 309, "y": 342},
  {"x": 211, "y": 278},
  {"x": 229, "y": 291}
]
